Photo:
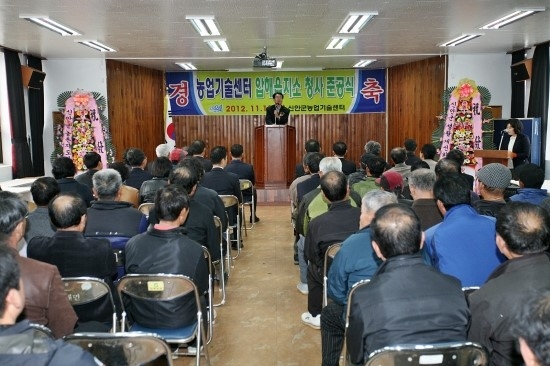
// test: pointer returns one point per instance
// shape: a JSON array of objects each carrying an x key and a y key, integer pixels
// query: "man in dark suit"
[
  {"x": 138, "y": 161},
  {"x": 311, "y": 146},
  {"x": 243, "y": 171},
  {"x": 197, "y": 150},
  {"x": 277, "y": 113},
  {"x": 340, "y": 148},
  {"x": 313, "y": 181},
  {"x": 64, "y": 170}
]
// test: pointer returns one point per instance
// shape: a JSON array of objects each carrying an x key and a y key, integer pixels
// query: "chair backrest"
[
  {"x": 118, "y": 244},
  {"x": 84, "y": 290},
  {"x": 124, "y": 348},
  {"x": 329, "y": 255},
  {"x": 447, "y": 354},
  {"x": 350, "y": 296},
  {"x": 35, "y": 340},
  {"x": 245, "y": 184},
  {"x": 229, "y": 200},
  {"x": 145, "y": 208}
]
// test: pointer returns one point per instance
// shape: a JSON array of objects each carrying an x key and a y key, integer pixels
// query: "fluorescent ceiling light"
[
  {"x": 458, "y": 40},
  {"x": 97, "y": 46},
  {"x": 355, "y": 21},
  {"x": 186, "y": 66},
  {"x": 205, "y": 25},
  {"x": 50, "y": 24},
  {"x": 218, "y": 45},
  {"x": 337, "y": 43},
  {"x": 363, "y": 63},
  {"x": 512, "y": 17}
]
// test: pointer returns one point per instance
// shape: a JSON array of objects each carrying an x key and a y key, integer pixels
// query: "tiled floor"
[{"x": 260, "y": 322}]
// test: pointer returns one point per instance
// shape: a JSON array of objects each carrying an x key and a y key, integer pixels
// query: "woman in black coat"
[{"x": 518, "y": 144}]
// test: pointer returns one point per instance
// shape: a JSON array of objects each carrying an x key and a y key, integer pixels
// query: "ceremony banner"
[{"x": 249, "y": 93}]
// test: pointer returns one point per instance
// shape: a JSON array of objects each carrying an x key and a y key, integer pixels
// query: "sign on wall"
[{"x": 249, "y": 93}]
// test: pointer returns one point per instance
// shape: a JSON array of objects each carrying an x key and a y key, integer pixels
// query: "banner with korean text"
[{"x": 249, "y": 93}]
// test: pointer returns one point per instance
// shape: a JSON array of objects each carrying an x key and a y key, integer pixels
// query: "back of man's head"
[
  {"x": 92, "y": 160},
  {"x": 398, "y": 155},
  {"x": 163, "y": 150},
  {"x": 66, "y": 210},
  {"x": 429, "y": 151},
  {"x": 419, "y": 164},
  {"x": 193, "y": 163},
  {"x": 217, "y": 154},
  {"x": 410, "y": 145},
  {"x": 340, "y": 148},
  {"x": 447, "y": 166},
  {"x": 524, "y": 227},
  {"x": 376, "y": 165},
  {"x": 135, "y": 156},
  {"x": 312, "y": 145},
  {"x": 373, "y": 147},
  {"x": 396, "y": 230},
  {"x": 422, "y": 179},
  {"x": 184, "y": 176},
  {"x": 334, "y": 186},
  {"x": 170, "y": 201},
  {"x": 313, "y": 161},
  {"x": 376, "y": 199},
  {"x": 456, "y": 155},
  {"x": 330, "y": 164},
  {"x": 63, "y": 167},
  {"x": 237, "y": 151},
  {"x": 9, "y": 278},
  {"x": 530, "y": 175},
  {"x": 12, "y": 211},
  {"x": 121, "y": 168},
  {"x": 161, "y": 167},
  {"x": 452, "y": 190},
  {"x": 532, "y": 326},
  {"x": 43, "y": 190},
  {"x": 107, "y": 183}
]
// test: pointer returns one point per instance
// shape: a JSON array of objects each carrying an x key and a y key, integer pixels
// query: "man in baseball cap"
[{"x": 492, "y": 181}]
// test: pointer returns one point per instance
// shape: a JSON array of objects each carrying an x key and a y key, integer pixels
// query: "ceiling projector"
[{"x": 263, "y": 60}]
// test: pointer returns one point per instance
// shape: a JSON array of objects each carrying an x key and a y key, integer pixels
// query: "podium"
[
  {"x": 492, "y": 156},
  {"x": 274, "y": 156}
]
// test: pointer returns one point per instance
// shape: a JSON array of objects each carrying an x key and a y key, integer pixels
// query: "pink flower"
[{"x": 466, "y": 90}]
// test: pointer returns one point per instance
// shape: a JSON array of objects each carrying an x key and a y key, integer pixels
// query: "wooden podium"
[
  {"x": 274, "y": 156},
  {"x": 492, "y": 156}
]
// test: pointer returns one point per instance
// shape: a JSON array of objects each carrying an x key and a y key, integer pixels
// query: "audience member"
[
  {"x": 63, "y": 170},
  {"x": 108, "y": 216},
  {"x": 420, "y": 164},
  {"x": 523, "y": 234},
  {"x": 166, "y": 249},
  {"x": 334, "y": 226},
  {"x": 73, "y": 254},
  {"x": 293, "y": 189},
  {"x": 493, "y": 179},
  {"x": 469, "y": 258},
  {"x": 197, "y": 149},
  {"x": 532, "y": 328},
  {"x": 531, "y": 179},
  {"x": 411, "y": 145},
  {"x": 163, "y": 151},
  {"x": 92, "y": 161},
  {"x": 406, "y": 301},
  {"x": 421, "y": 184},
  {"x": 243, "y": 171},
  {"x": 160, "y": 170},
  {"x": 374, "y": 167},
  {"x": 392, "y": 181},
  {"x": 176, "y": 155},
  {"x": 20, "y": 344},
  {"x": 340, "y": 149},
  {"x": 458, "y": 156},
  {"x": 427, "y": 154},
  {"x": 43, "y": 190},
  {"x": 46, "y": 301},
  {"x": 138, "y": 161},
  {"x": 314, "y": 179},
  {"x": 128, "y": 194},
  {"x": 372, "y": 149},
  {"x": 311, "y": 146},
  {"x": 355, "y": 261},
  {"x": 398, "y": 156}
]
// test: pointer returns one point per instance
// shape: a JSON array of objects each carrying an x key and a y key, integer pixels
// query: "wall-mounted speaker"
[
  {"x": 521, "y": 71},
  {"x": 32, "y": 78}
]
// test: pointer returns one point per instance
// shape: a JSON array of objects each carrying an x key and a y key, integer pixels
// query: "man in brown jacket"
[{"x": 46, "y": 301}]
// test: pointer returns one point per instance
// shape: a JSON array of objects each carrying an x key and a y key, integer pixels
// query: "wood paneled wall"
[
  {"x": 136, "y": 107},
  {"x": 414, "y": 99},
  {"x": 354, "y": 129}
]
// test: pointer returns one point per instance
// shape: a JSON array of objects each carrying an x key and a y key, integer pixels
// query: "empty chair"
[
  {"x": 232, "y": 202},
  {"x": 329, "y": 255},
  {"x": 124, "y": 348}
]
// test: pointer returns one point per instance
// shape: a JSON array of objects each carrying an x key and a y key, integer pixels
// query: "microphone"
[{"x": 503, "y": 131}]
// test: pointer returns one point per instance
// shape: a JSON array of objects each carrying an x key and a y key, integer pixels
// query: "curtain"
[
  {"x": 36, "y": 119},
  {"x": 21, "y": 155},
  {"x": 538, "y": 98},
  {"x": 518, "y": 89}
]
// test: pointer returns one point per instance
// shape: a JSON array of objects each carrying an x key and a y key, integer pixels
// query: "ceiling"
[{"x": 156, "y": 34}]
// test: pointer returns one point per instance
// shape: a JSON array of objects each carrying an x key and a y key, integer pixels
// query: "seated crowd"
[{"x": 414, "y": 232}]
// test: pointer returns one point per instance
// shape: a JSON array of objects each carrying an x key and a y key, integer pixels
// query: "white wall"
[
  {"x": 489, "y": 70},
  {"x": 68, "y": 75}
]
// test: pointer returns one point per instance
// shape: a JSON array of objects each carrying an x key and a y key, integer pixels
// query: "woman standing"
[{"x": 518, "y": 146}]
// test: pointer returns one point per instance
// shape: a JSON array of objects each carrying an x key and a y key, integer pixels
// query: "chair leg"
[
  {"x": 238, "y": 230},
  {"x": 221, "y": 282}
]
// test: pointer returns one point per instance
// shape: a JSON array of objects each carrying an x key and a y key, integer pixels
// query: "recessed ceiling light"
[
  {"x": 459, "y": 40},
  {"x": 337, "y": 43},
  {"x": 363, "y": 63},
  {"x": 218, "y": 45},
  {"x": 186, "y": 66},
  {"x": 205, "y": 25},
  {"x": 355, "y": 21},
  {"x": 98, "y": 46},
  {"x": 510, "y": 18},
  {"x": 50, "y": 24}
]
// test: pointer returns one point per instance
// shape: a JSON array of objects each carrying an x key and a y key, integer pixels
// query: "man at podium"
[{"x": 277, "y": 113}]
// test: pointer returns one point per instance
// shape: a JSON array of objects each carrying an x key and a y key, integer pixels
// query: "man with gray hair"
[
  {"x": 109, "y": 215},
  {"x": 421, "y": 184},
  {"x": 163, "y": 150},
  {"x": 355, "y": 261}
]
